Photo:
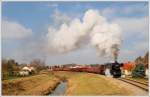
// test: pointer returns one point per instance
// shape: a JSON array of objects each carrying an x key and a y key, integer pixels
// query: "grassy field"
[
  {"x": 40, "y": 84},
  {"x": 90, "y": 84},
  {"x": 78, "y": 84}
]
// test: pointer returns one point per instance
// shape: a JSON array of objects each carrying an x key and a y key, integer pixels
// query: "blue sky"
[{"x": 31, "y": 21}]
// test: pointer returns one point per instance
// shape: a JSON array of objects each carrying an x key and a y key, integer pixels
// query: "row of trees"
[{"x": 11, "y": 67}]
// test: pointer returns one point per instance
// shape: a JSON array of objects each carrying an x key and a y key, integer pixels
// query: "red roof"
[{"x": 128, "y": 65}]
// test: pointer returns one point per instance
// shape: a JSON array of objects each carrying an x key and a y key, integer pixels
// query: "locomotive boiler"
[{"x": 115, "y": 69}]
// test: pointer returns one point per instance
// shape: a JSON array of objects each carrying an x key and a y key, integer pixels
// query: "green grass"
[
  {"x": 16, "y": 77},
  {"x": 11, "y": 77}
]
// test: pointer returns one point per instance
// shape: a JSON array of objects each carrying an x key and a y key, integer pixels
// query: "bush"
[
  {"x": 5, "y": 75},
  {"x": 139, "y": 71}
]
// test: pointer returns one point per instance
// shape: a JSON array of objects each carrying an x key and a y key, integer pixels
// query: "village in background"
[{"x": 12, "y": 69}]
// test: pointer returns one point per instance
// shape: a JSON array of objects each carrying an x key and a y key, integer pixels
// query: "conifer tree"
[{"x": 139, "y": 71}]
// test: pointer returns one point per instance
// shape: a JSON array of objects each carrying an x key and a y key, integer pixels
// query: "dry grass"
[
  {"x": 81, "y": 84},
  {"x": 34, "y": 85}
]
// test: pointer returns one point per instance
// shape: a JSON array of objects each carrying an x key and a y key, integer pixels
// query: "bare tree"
[
  {"x": 146, "y": 60},
  {"x": 38, "y": 64}
]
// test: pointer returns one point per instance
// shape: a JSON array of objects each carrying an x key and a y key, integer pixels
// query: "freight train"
[{"x": 98, "y": 69}]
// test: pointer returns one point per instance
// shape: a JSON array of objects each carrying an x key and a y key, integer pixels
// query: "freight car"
[
  {"x": 99, "y": 69},
  {"x": 95, "y": 69}
]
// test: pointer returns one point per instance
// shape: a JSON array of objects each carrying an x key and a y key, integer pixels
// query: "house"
[
  {"x": 27, "y": 70},
  {"x": 147, "y": 72},
  {"x": 128, "y": 67}
]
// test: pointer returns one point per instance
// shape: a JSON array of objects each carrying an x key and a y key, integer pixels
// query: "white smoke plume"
[{"x": 105, "y": 36}]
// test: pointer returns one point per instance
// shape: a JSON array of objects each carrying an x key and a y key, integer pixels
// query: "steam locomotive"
[{"x": 115, "y": 69}]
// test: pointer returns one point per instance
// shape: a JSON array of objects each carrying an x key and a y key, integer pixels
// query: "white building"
[
  {"x": 146, "y": 72},
  {"x": 26, "y": 70}
]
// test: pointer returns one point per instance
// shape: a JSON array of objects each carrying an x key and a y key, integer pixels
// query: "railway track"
[
  {"x": 144, "y": 82},
  {"x": 138, "y": 84}
]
